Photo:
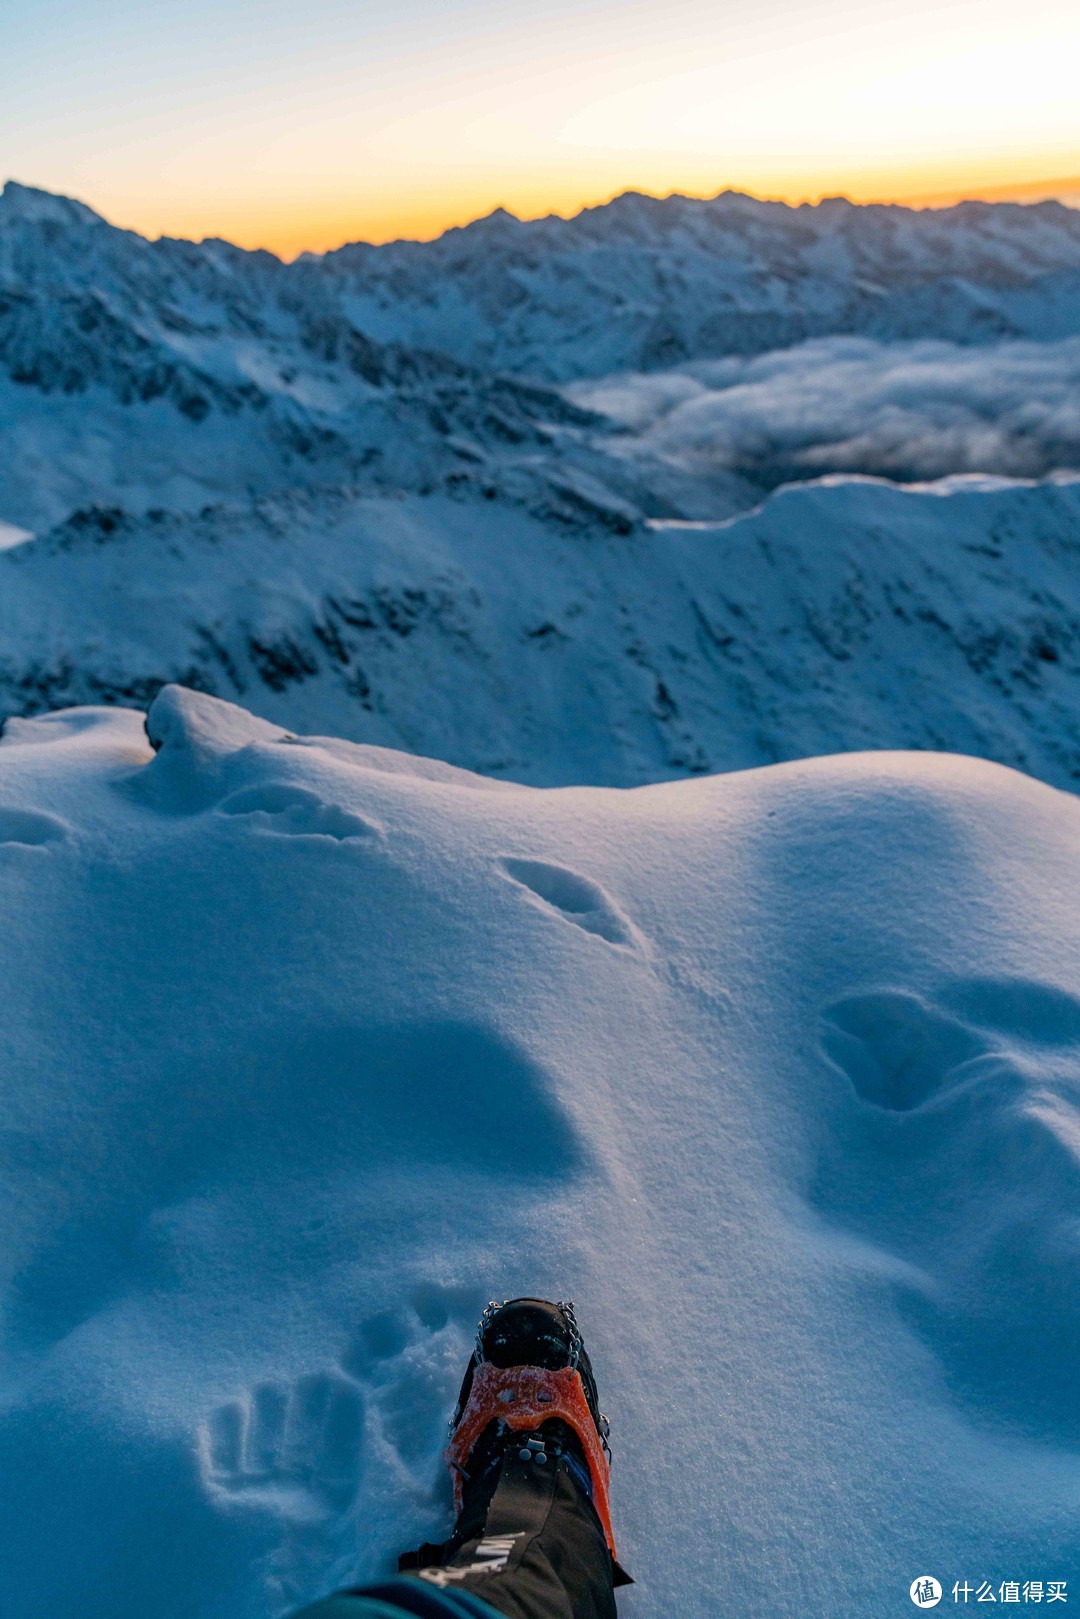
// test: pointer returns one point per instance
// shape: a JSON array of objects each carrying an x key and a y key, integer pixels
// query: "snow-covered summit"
[
  {"x": 29, "y": 205},
  {"x": 310, "y": 1049}
]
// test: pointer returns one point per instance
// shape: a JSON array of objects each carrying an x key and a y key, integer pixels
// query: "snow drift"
[{"x": 311, "y": 1047}]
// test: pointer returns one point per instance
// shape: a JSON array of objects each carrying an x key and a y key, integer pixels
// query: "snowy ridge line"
[
  {"x": 846, "y": 614},
  {"x": 110, "y": 395},
  {"x": 332, "y": 522},
  {"x": 642, "y": 283},
  {"x": 638, "y": 283}
]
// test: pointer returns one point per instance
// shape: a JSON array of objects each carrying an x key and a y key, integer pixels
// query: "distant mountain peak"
[
  {"x": 499, "y": 221},
  {"x": 34, "y": 206}
]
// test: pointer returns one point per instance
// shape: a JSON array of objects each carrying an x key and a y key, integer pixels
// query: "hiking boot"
[{"x": 529, "y": 1387}]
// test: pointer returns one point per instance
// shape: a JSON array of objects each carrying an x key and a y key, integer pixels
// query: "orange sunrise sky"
[{"x": 293, "y": 129}]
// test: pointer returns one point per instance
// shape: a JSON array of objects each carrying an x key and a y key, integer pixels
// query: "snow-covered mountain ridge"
[
  {"x": 641, "y": 282},
  {"x": 842, "y": 614},
  {"x": 355, "y": 524},
  {"x": 635, "y": 284},
  {"x": 174, "y": 374},
  {"x": 170, "y": 374}
]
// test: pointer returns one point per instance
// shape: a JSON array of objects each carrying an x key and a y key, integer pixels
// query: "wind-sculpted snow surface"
[
  {"x": 842, "y": 614},
  {"x": 310, "y": 1048}
]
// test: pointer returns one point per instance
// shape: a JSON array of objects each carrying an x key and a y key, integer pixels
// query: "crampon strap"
[{"x": 524, "y": 1397}]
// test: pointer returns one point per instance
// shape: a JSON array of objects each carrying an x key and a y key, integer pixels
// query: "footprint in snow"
[
  {"x": 409, "y": 1359},
  {"x": 297, "y": 1452},
  {"x": 575, "y": 898},
  {"x": 898, "y": 1052},
  {"x": 294, "y": 1452},
  {"x": 30, "y": 828},
  {"x": 961, "y": 1160},
  {"x": 289, "y": 811}
]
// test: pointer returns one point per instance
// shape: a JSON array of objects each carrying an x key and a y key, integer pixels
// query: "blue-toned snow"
[{"x": 310, "y": 1048}]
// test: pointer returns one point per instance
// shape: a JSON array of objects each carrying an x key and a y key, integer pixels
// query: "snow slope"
[
  {"x": 568, "y": 645},
  {"x": 310, "y": 1048}
]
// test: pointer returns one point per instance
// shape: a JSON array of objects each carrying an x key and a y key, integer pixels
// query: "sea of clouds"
[{"x": 909, "y": 410}]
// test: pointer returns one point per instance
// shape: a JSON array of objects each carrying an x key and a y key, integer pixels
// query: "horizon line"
[{"x": 1021, "y": 194}]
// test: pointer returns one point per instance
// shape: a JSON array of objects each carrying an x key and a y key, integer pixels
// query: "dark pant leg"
[
  {"x": 540, "y": 1551},
  {"x": 534, "y": 1549}
]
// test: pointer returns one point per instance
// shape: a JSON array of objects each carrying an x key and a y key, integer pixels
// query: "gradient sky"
[{"x": 308, "y": 123}]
